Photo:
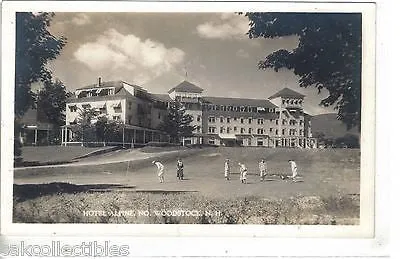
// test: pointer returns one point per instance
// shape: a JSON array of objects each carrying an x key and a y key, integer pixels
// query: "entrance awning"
[{"x": 227, "y": 136}]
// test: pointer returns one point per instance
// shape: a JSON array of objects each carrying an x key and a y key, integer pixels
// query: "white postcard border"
[{"x": 366, "y": 228}]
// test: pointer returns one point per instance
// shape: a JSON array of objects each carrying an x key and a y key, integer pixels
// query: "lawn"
[
  {"x": 48, "y": 154},
  {"x": 330, "y": 183}
]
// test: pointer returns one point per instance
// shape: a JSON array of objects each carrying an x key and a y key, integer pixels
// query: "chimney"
[{"x": 99, "y": 81}]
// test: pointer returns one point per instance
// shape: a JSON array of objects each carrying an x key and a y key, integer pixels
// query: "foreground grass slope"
[{"x": 121, "y": 207}]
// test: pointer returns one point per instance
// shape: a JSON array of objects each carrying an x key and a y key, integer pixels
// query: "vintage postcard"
[{"x": 200, "y": 119}]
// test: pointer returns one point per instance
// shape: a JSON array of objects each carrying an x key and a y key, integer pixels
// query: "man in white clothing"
[
  {"x": 160, "y": 170},
  {"x": 263, "y": 169},
  {"x": 293, "y": 166},
  {"x": 243, "y": 173}
]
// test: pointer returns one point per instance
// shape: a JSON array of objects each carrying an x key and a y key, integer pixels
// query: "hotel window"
[
  {"x": 198, "y": 118},
  {"x": 260, "y": 131},
  {"x": 277, "y": 122},
  {"x": 211, "y": 129},
  {"x": 228, "y": 130},
  {"x": 116, "y": 117},
  {"x": 276, "y": 132},
  {"x": 260, "y": 121},
  {"x": 242, "y": 130},
  {"x": 283, "y": 122},
  {"x": 291, "y": 101},
  {"x": 250, "y": 130},
  {"x": 301, "y": 122},
  {"x": 241, "y": 120},
  {"x": 211, "y": 141},
  {"x": 301, "y": 132},
  {"x": 211, "y": 119},
  {"x": 283, "y": 131},
  {"x": 250, "y": 120},
  {"x": 270, "y": 129},
  {"x": 221, "y": 130},
  {"x": 260, "y": 142},
  {"x": 234, "y": 129},
  {"x": 228, "y": 120},
  {"x": 235, "y": 119},
  {"x": 221, "y": 119}
]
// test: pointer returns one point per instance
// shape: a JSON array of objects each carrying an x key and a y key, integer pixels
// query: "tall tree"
[
  {"x": 52, "y": 100},
  {"x": 177, "y": 122},
  {"x": 328, "y": 55},
  {"x": 35, "y": 46}
]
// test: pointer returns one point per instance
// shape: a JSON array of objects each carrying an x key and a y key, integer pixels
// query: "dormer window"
[
  {"x": 86, "y": 106},
  {"x": 82, "y": 94},
  {"x": 72, "y": 108}
]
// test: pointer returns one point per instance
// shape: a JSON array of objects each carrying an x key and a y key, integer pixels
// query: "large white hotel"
[{"x": 279, "y": 121}]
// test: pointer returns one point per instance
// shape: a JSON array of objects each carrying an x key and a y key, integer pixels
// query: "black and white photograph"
[{"x": 193, "y": 118}]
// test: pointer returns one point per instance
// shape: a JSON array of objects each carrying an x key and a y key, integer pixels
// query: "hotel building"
[{"x": 279, "y": 121}]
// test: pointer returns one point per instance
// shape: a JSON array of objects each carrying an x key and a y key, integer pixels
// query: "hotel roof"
[
  {"x": 161, "y": 97},
  {"x": 117, "y": 84},
  {"x": 186, "y": 87},
  {"x": 240, "y": 102},
  {"x": 286, "y": 92}
]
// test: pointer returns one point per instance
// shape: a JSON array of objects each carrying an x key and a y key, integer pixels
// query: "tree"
[
  {"x": 349, "y": 141},
  {"x": 35, "y": 46},
  {"x": 84, "y": 129},
  {"x": 177, "y": 123},
  {"x": 52, "y": 100},
  {"x": 107, "y": 130},
  {"x": 328, "y": 55}
]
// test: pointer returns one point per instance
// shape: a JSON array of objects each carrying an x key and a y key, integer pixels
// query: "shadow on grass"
[{"x": 23, "y": 192}]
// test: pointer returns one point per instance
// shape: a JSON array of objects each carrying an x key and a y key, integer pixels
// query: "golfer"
[
  {"x": 179, "y": 169},
  {"x": 160, "y": 170},
  {"x": 227, "y": 169},
  {"x": 243, "y": 173},
  {"x": 293, "y": 166},
  {"x": 263, "y": 169}
]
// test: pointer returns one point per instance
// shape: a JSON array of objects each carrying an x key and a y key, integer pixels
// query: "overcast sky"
[{"x": 154, "y": 50}]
